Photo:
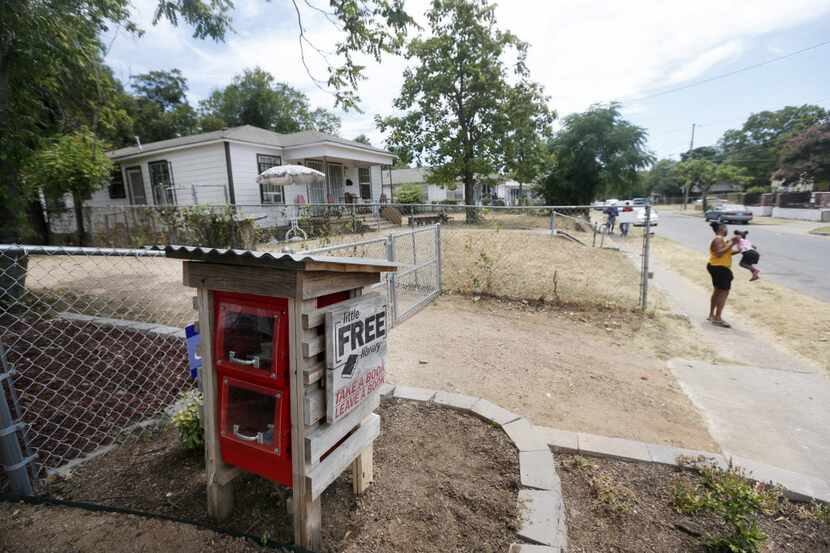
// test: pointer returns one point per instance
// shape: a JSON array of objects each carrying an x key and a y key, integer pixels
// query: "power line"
[{"x": 728, "y": 74}]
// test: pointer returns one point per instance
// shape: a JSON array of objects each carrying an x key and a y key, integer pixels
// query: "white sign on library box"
[{"x": 355, "y": 353}]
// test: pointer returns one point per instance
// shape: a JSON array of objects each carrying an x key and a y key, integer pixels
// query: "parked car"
[
  {"x": 729, "y": 213},
  {"x": 640, "y": 201},
  {"x": 641, "y": 217}
]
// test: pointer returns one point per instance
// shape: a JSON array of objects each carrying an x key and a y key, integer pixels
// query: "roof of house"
[{"x": 245, "y": 133}]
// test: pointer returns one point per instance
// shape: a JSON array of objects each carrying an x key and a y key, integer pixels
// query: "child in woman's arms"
[{"x": 749, "y": 254}]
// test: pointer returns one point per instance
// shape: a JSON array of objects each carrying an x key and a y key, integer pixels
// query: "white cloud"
[
  {"x": 705, "y": 61},
  {"x": 582, "y": 51}
]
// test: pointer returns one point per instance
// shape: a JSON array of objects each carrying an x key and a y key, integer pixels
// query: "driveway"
[{"x": 798, "y": 261}]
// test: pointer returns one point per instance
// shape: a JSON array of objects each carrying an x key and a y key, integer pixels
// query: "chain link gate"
[{"x": 417, "y": 281}]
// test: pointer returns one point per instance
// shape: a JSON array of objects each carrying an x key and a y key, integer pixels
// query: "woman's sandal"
[{"x": 722, "y": 323}]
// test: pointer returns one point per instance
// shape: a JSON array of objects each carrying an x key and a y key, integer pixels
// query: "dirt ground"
[
  {"x": 444, "y": 481},
  {"x": 801, "y": 323},
  {"x": 595, "y": 371},
  {"x": 81, "y": 383},
  {"x": 42, "y": 529},
  {"x": 597, "y": 490}
]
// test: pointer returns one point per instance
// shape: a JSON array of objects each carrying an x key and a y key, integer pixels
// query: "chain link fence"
[
  {"x": 95, "y": 334},
  {"x": 95, "y": 338}
]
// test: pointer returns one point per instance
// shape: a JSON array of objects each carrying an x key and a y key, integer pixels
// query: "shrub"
[
  {"x": 409, "y": 194},
  {"x": 188, "y": 421},
  {"x": 734, "y": 499}
]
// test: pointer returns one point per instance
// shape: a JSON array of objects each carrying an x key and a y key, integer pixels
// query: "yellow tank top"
[{"x": 723, "y": 260}]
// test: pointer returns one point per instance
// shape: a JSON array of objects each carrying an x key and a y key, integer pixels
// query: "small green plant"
[
  {"x": 615, "y": 496},
  {"x": 734, "y": 499},
  {"x": 581, "y": 463},
  {"x": 188, "y": 421}
]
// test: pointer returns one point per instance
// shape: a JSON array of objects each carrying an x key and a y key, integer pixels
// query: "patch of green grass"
[
  {"x": 821, "y": 230},
  {"x": 736, "y": 501}
]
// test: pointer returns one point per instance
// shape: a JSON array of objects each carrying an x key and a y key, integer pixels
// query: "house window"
[
  {"x": 117, "y": 189},
  {"x": 269, "y": 193},
  {"x": 161, "y": 182},
  {"x": 315, "y": 164},
  {"x": 364, "y": 177}
]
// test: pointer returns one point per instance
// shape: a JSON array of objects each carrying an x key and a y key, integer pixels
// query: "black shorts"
[
  {"x": 721, "y": 276},
  {"x": 750, "y": 257}
]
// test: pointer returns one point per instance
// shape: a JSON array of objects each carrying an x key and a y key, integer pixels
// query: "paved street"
[{"x": 799, "y": 261}]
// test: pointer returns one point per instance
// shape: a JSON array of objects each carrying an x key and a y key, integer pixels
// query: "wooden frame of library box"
[{"x": 277, "y": 327}]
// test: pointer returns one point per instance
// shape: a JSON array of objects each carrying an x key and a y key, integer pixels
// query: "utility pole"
[{"x": 686, "y": 188}]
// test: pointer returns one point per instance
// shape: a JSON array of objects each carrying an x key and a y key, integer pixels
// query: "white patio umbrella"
[{"x": 283, "y": 175}]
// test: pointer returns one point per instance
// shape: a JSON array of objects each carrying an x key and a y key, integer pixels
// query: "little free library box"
[{"x": 293, "y": 355}]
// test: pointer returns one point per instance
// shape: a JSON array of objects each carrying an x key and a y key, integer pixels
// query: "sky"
[{"x": 582, "y": 52}]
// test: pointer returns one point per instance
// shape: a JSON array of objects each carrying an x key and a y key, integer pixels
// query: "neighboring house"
[
  {"x": 221, "y": 167},
  {"x": 503, "y": 189},
  {"x": 720, "y": 188},
  {"x": 804, "y": 183}
]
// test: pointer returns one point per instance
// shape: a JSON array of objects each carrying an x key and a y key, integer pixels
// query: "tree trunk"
[
  {"x": 9, "y": 193},
  {"x": 39, "y": 221},
  {"x": 78, "y": 207},
  {"x": 469, "y": 193}
]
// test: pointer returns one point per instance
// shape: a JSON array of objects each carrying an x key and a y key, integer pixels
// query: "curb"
[
  {"x": 797, "y": 486},
  {"x": 541, "y": 503}
]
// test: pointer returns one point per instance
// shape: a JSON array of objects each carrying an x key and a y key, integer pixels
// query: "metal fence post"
[
  {"x": 646, "y": 248},
  {"x": 438, "y": 259},
  {"x": 553, "y": 222},
  {"x": 391, "y": 281},
  {"x": 14, "y": 464}
]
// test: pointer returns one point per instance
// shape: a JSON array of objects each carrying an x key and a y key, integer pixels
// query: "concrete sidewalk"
[{"x": 767, "y": 403}]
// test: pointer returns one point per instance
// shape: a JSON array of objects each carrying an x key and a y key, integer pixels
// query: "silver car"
[{"x": 729, "y": 213}]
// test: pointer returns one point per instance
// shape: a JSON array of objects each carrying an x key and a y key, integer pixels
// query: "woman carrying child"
[{"x": 720, "y": 269}]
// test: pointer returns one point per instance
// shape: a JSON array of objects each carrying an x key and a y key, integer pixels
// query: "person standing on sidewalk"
[{"x": 720, "y": 269}]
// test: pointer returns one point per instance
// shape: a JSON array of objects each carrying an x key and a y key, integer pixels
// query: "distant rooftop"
[{"x": 245, "y": 133}]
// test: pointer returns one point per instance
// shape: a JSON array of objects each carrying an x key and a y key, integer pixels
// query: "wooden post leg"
[
  {"x": 307, "y": 521},
  {"x": 219, "y": 475},
  {"x": 220, "y": 500},
  {"x": 363, "y": 471}
]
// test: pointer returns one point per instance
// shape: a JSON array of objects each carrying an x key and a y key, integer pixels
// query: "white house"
[
  {"x": 221, "y": 167},
  {"x": 502, "y": 189}
]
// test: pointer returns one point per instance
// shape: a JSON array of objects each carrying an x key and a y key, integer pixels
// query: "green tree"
[
  {"x": 256, "y": 98},
  {"x": 704, "y": 174},
  {"x": 596, "y": 153},
  {"x": 528, "y": 129},
  {"x": 457, "y": 99},
  {"x": 160, "y": 109},
  {"x": 756, "y": 146},
  {"x": 167, "y": 89},
  {"x": 363, "y": 139},
  {"x": 807, "y": 154},
  {"x": 703, "y": 152},
  {"x": 662, "y": 178},
  {"x": 73, "y": 164}
]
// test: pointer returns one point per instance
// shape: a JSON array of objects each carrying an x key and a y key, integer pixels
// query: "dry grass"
[
  {"x": 801, "y": 322},
  {"x": 535, "y": 266}
]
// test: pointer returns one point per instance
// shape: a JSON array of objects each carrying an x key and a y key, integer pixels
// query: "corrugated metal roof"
[{"x": 282, "y": 260}]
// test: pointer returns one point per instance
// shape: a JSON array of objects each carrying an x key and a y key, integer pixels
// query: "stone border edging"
[
  {"x": 540, "y": 499},
  {"x": 797, "y": 486},
  {"x": 541, "y": 504},
  {"x": 152, "y": 328}
]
